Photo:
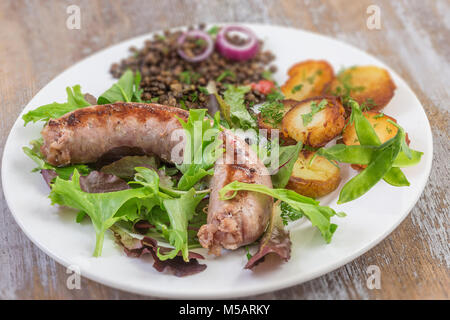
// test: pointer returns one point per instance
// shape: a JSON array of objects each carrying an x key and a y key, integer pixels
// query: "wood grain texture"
[{"x": 35, "y": 46}]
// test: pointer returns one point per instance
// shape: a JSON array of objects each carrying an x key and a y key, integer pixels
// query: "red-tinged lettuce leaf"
[
  {"x": 134, "y": 247},
  {"x": 99, "y": 182},
  {"x": 275, "y": 240},
  {"x": 142, "y": 226},
  {"x": 124, "y": 168},
  {"x": 116, "y": 154},
  {"x": 94, "y": 182},
  {"x": 48, "y": 176}
]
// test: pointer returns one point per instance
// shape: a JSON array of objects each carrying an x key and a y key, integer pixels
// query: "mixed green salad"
[{"x": 145, "y": 202}]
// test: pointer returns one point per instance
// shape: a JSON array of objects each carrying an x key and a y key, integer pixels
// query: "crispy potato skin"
[
  {"x": 314, "y": 181},
  {"x": 325, "y": 126},
  {"x": 313, "y": 75},
  {"x": 376, "y": 82},
  {"x": 380, "y": 124},
  {"x": 262, "y": 124}
]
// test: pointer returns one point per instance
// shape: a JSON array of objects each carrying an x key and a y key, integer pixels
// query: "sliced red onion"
[
  {"x": 233, "y": 51},
  {"x": 198, "y": 34}
]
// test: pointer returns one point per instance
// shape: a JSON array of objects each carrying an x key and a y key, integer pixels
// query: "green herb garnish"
[
  {"x": 272, "y": 110},
  {"x": 225, "y": 74},
  {"x": 214, "y": 30},
  {"x": 188, "y": 77},
  {"x": 297, "y": 88},
  {"x": 289, "y": 214},
  {"x": 315, "y": 108}
]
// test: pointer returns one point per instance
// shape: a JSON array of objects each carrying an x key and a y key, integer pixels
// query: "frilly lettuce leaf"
[
  {"x": 202, "y": 147},
  {"x": 75, "y": 100},
  {"x": 104, "y": 209}
]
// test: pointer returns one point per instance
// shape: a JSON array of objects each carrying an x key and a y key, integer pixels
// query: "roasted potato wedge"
[
  {"x": 314, "y": 128},
  {"x": 307, "y": 79},
  {"x": 265, "y": 122},
  {"x": 380, "y": 124},
  {"x": 370, "y": 86},
  {"x": 315, "y": 180}
]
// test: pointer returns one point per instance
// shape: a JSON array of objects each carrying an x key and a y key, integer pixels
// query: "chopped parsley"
[
  {"x": 368, "y": 104},
  {"x": 313, "y": 77},
  {"x": 272, "y": 111},
  {"x": 155, "y": 99},
  {"x": 203, "y": 90},
  {"x": 225, "y": 74},
  {"x": 266, "y": 74},
  {"x": 214, "y": 30},
  {"x": 315, "y": 108},
  {"x": 194, "y": 96},
  {"x": 378, "y": 116},
  {"x": 249, "y": 255},
  {"x": 297, "y": 88},
  {"x": 200, "y": 42},
  {"x": 289, "y": 214},
  {"x": 346, "y": 88},
  {"x": 188, "y": 77},
  {"x": 183, "y": 104}
]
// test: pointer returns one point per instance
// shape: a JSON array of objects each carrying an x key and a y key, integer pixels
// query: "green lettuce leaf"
[
  {"x": 202, "y": 148},
  {"x": 126, "y": 89},
  {"x": 63, "y": 172},
  {"x": 75, "y": 100},
  {"x": 180, "y": 211},
  {"x": 233, "y": 107},
  {"x": 104, "y": 209},
  {"x": 318, "y": 215}
]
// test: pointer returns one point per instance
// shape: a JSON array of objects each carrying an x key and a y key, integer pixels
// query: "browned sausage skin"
[{"x": 84, "y": 135}]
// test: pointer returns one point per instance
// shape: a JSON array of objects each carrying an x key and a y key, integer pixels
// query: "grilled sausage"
[{"x": 84, "y": 135}]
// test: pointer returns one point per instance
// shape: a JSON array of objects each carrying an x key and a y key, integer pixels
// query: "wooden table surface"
[{"x": 414, "y": 40}]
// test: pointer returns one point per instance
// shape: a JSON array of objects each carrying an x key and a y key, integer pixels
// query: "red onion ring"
[
  {"x": 198, "y": 35},
  {"x": 235, "y": 52}
]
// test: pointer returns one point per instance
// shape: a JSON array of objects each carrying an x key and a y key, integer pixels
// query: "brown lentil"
[{"x": 169, "y": 79}]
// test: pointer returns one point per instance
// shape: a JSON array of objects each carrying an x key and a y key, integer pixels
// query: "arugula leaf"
[
  {"x": 202, "y": 148},
  {"x": 318, "y": 215},
  {"x": 75, "y": 100},
  {"x": 287, "y": 158},
  {"x": 104, "y": 209},
  {"x": 234, "y": 109},
  {"x": 126, "y": 89},
  {"x": 180, "y": 211}
]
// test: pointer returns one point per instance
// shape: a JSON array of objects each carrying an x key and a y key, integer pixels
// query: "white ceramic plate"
[{"x": 369, "y": 219}]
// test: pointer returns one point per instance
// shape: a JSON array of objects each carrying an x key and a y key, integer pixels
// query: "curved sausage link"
[{"x": 84, "y": 135}]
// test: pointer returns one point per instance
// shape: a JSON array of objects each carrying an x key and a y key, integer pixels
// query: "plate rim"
[{"x": 283, "y": 283}]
